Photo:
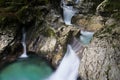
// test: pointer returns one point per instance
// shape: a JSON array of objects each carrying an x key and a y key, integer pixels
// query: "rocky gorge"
[{"x": 47, "y": 35}]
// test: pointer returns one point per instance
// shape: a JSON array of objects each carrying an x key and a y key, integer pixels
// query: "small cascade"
[
  {"x": 68, "y": 12},
  {"x": 68, "y": 68},
  {"x": 86, "y": 36},
  {"x": 24, "y": 55},
  {"x": 76, "y": 1}
]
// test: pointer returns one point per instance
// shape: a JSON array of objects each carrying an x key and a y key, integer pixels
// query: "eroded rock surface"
[
  {"x": 101, "y": 60},
  {"x": 6, "y": 36},
  {"x": 88, "y": 22},
  {"x": 47, "y": 33}
]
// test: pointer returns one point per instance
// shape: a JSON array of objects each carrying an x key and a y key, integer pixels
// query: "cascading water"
[
  {"x": 68, "y": 68},
  {"x": 76, "y": 1},
  {"x": 68, "y": 12},
  {"x": 26, "y": 68},
  {"x": 24, "y": 55},
  {"x": 86, "y": 36}
]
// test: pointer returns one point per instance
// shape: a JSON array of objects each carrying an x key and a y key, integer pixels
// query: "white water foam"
[
  {"x": 86, "y": 36},
  {"x": 68, "y": 68},
  {"x": 68, "y": 12},
  {"x": 24, "y": 55}
]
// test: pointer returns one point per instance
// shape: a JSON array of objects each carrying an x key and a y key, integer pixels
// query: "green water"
[{"x": 26, "y": 69}]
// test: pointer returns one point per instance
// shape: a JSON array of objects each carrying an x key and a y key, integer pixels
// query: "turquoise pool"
[{"x": 26, "y": 69}]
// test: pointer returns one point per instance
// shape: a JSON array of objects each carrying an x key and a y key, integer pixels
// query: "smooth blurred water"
[
  {"x": 26, "y": 69},
  {"x": 86, "y": 36},
  {"x": 68, "y": 13},
  {"x": 24, "y": 54},
  {"x": 68, "y": 68}
]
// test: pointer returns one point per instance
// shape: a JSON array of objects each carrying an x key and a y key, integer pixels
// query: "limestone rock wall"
[
  {"x": 101, "y": 60},
  {"x": 47, "y": 33},
  {"x": 6, "y": 36}
]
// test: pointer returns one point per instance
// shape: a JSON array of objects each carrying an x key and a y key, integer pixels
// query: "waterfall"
[
  {"x": 24, "y": 55},
  {"x": 68, "y": 12},
  {"x": 76, "y": 1},
  {"x": 86, "y": 36},
  {"x": 68, "y": 68}
]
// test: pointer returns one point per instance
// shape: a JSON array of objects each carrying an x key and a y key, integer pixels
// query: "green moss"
[
  {"x": 107, "y": 72},
  {"x": 49, "y": 32},
  {"x": 116, "y": 16},
  {"x": 2, "y": 2},
  {"x": 2, "y": 18},
  {"x": 112, "y": 6},
  {"x": 41, "y": 29},
  {"x": 22, "y": 14},
  {"x": 24, "y": 10},
  {"x": 108, "y": 7},
  {"x": 106, "y": 31}
]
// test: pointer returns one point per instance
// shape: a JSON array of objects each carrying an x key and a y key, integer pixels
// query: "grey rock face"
[
  {"x": 88, "y": 6},
  {"x": 101, "y": 59},
  {"x": 6, "y": 36}
]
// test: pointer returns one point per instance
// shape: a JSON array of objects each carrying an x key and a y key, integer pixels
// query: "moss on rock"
[{"x": 49, "y": 32}]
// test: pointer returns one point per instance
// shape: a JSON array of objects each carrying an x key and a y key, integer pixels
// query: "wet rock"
[
  {"x": 56, "y": 59},
  {"x": 6, "y": 36},
  {"x": 88, "y": 6},
  {"x": 45, "y": 30},
  {"x": 63, "y": 33},
  {"x": 49, "y": 45},
  {"x": 43, "y": 44},
  {"x": 56, "y": 5},
  {"x": 63, "y": 39},
  {"x": 54, "y": 19},
  {"x": 14, "y": 15},
  {"x": 110, "y": 22},
  {"x": 108, "y": 7},
  {"x": 89, "y": 23},
  {"x": 101, "y": 59}
]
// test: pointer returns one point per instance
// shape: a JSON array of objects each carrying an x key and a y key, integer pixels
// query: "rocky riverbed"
[{"x": 47, "y": 35}]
